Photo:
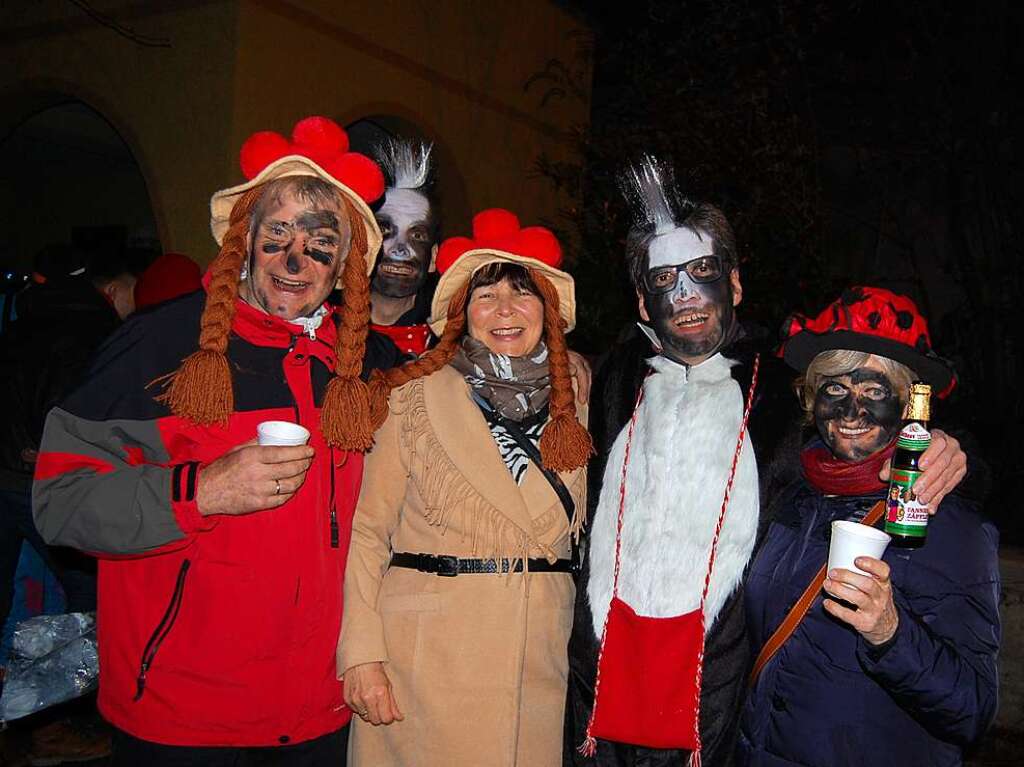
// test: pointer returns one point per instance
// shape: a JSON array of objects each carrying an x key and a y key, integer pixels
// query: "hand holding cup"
[
  {"x": 257, "y": 474},
  {"x": 858, "y": 577}
]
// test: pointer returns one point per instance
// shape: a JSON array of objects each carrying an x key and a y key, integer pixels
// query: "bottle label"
[
  {"x": 905, "y": 515},
  {"x": 914, "y": 437}
]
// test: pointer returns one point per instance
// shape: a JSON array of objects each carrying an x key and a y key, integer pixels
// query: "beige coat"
[{"x": 478, "y": 662}]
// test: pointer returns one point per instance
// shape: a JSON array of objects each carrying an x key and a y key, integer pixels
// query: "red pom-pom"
[
  {"x": 359, "y": 173},
  {"x": 261, "y": 149},
  {"x": 321, "y": 157},
  {"x": 494, "y": 224},
  {"x": 538, "y": 242},
  {"x": 321, "y": 135},
  {"x": 450, "y": 251}
]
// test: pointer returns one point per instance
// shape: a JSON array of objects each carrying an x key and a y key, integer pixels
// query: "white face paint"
[
  {"x": 405, "y": 207},
  {"x": 677, "y": 247}
]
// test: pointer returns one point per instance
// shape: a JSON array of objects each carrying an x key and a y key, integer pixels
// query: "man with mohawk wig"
[
  {"x": 221, "y": 560},
  {"x": 403, "y": 282},
  {"x": 691, "y": 423}
]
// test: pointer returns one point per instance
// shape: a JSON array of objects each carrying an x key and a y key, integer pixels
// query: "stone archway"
[{"x": 68, "y": 176}]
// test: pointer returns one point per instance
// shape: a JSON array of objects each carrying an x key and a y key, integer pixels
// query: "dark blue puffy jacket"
[{"x": 828, "y": 698}]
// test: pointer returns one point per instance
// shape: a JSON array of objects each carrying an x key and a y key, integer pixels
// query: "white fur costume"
[{"x": 682, "y": 451}]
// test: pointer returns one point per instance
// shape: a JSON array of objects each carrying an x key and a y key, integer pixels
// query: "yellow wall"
[
  {"x": 454, "y": 68},
  {"x": 169, "y": 104}
]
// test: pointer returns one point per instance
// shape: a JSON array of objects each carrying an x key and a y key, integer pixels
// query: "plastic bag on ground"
[{"x": 53, "y": 659}]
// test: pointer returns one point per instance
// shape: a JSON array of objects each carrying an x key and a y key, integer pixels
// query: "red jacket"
[{"x": 213, "y": 631}]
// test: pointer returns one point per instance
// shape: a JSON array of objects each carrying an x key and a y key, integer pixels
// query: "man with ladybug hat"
[
  {"x": 691, "y": 423},
  {"x": 221, "y": 560}
]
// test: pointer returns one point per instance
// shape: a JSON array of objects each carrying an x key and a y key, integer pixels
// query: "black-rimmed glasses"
[{"x": 662, "y": 279}]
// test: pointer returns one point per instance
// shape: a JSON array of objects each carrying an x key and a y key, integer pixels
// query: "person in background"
[
  {"x": 404, "y": 279},
  {"x": 115, "y": 281},
  {"x": 63, "y": 317},
  {"x": 458, "y": 591},
  {"x": 898, "y": 665}
]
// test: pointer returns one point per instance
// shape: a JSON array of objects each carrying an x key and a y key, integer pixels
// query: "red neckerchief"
[
  {"x": 262, "y": 329},
  {"x": 832, "y": 476},
  {"x": 410, "y": 339}
]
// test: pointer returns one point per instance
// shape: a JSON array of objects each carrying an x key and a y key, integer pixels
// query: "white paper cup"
[
  {"x": 851, "y": 540},
  {"x": 282, "y": 433}
]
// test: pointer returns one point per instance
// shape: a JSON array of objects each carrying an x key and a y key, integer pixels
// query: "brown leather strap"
[{"x": 803, "y": 604}]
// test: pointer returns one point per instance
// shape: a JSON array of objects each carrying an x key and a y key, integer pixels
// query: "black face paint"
[
  {"x": 319, "y": 226},
  {"x": 311, "y": 220},
  {"x": 857, "y": 414},
  {"x": 319, "y": 256},
  {"x": 695, "y": 319}
]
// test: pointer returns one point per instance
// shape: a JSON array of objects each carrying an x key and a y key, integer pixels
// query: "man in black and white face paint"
[
  {"x": 407, "y": 224},
  {"x": 401, "y": 288},
  {"x": 688, "y": 291},
  {"x": 694, "y": 368}
]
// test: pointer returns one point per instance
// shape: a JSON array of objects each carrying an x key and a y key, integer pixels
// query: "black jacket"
[
  {"x": 43, "y": 356},
  {"x": 829, "y": 698},
  {"x": 775, "y": 434}
]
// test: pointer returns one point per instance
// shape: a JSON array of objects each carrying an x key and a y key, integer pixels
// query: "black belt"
[{"x": 449, "y": 567}]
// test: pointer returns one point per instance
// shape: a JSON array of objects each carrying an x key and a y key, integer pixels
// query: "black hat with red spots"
[{"x": 872, "y": 320}]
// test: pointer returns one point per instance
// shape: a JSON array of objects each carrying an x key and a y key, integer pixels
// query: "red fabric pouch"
[{"x": 657, "y": 658}]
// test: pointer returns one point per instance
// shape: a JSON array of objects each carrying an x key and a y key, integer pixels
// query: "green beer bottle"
[{"x": 906, "y": 519}]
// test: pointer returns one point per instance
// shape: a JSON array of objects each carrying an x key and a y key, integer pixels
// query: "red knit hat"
[
  {"x": 169, "y": 276},
  {"x": 872, "y": 320}
]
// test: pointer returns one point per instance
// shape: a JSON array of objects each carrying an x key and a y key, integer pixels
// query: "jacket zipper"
[
  {"x": 334, "y": 511},
  {"x": 295, "y": 405},
  {"x": 162, "y": 630},
  {"x": 335, "y": 535}
]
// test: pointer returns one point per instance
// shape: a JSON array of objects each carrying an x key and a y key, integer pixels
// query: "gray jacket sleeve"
[{"x": 108, "y": 487}]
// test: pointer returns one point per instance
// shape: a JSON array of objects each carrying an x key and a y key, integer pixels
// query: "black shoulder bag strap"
[{"x": 534, "y": 455}]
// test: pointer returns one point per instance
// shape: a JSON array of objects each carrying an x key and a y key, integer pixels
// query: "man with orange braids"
[{"x": 221, "y": 560}]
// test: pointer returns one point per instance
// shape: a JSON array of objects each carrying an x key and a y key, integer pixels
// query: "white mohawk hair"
[
  {"x": 406, "y": 164},
  {"x": 649, "y": 188}
]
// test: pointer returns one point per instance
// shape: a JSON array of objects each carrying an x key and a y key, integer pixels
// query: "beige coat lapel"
[{"x": 463, "y": 434}]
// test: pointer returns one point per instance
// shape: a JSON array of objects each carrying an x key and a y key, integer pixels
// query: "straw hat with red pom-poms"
[
  {"x": 497, "y": 236},
  {"x": 201, "y": 388},
  {"x": 565, "y": 444},
  {"x": 318, "y": 147}
]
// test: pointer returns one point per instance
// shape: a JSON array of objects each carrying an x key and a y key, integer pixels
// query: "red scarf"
[{"x": 833, "y": 476}]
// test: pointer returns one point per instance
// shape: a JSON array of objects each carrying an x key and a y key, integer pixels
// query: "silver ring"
[{"x": 278, "y": 490}]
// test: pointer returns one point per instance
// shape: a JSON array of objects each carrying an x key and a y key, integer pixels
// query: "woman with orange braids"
[
  {"x": 220, "y": 559},
  {"x": 458, "y": 590}
]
